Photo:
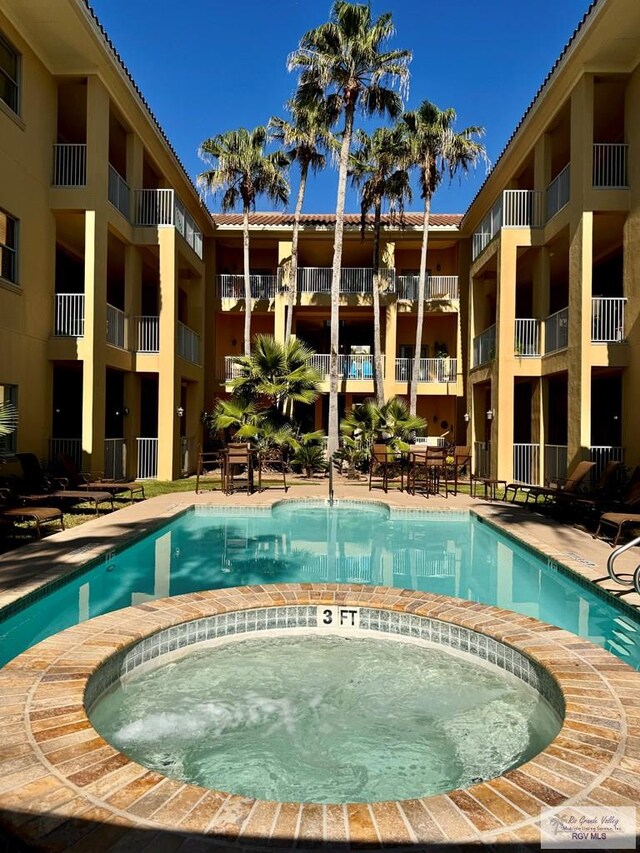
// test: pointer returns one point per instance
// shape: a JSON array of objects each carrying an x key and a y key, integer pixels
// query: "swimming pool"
[{"x": 451, "y": 553}]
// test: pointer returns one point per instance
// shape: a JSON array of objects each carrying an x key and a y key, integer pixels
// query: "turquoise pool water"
[{"x": 447, "y": 553}]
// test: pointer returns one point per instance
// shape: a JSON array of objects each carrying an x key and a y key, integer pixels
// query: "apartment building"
[
  {"x": 103, "y": 247},
  {"x": 441, "y": 385},
  {"x": 554, "y": 304}
]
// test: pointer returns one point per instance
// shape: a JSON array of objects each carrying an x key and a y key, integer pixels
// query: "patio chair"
[
  {"x": 429, "y": 469},
  {"x": 381, "y": 458},
  {"x": 38, "y": 515},
  {"x": 77, "y": 479},
  {"x": 38, "y": 488},
  {"x": 461, "y": 462},
  {"x": 562, "y": 486},
  {"x": 208, "y": 463},
  {"x": 238, "y": 467},
  {"x": 277, "y": 458}
]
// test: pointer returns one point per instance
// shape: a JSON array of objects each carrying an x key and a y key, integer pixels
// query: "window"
[
  {"x": 9, "y": 70},
  {"x": 9, "y": 395},
  {"x": 8, "y": 247}
]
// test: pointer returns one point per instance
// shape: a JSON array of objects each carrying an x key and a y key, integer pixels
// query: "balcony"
[
  {"x": 607, "y": 319},
  {"x": 354, "y": 280},
  {"x": 69, "y": 315},
  {"x": 188, "y": 344},
  {"x": 163, "y": 207},
  {"x": 556, "y": 331},
  {"x": 147, "y": 334},
  {"x": 558, "y": 192},
  {"x": 429, "y": 369},
  {"x": 484, "y": 346},
  {"x": 69, "y": 165},
  {"x": 527, "y": 338},
  {"x": 440, "y": 287},
  {"x": 262, "y": 286},
  {"x": 354, "y": 367},
  {"x": 119, "y": 193},
  {"x": 610, "y": 166},
  {"x": 513, "y": 209},
  {"x": 147, "y": 459},
  {"x": 116, "y": 327}
]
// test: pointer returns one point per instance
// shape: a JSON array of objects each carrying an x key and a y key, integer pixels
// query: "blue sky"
[{"x": 207, "y": 66}]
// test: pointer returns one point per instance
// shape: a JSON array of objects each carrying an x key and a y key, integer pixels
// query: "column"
[
  {"x": 579, "y": 348},
  {"x": 168, "y": 379},
  {"x": 503, "y": 369}
]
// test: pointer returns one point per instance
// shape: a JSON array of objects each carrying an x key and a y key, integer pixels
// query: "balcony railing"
[
  {"x": 356, "y": 280},
  {"x": 555, "y": 462},
  {"x": 610, "y": 166},
  {"x": 429, "y": 369},
  {"x": 262, "y": 286},
  {"x": 436, "y": 287},
  {"x": 513, "y": 209},
  {"x": 526, "y": 463},
  {"x": 228, "y": 369},
  {"x": 187, "y": 455},
  {"x": 607, "y": 319},
  {"x": 527, "y": 340},
  {"x": 69, "y": 165},
  {"x": 69, "y": 315},
  {"x": 482, "y": 458},
  {"x": 188, "y": 344},
  {"x": 558, "y": 192},
  {"x": 71, "y": 447},
  {"x": 148, "y": 334},
  {"x": 356, "y": 367},
  {"x": 119, "y": 193},
  {"x": 602, "y": 455},
  {"x": 116, "y": 327},
  {"x": 147, "y": 468},
  {"x": 484, "y": 346},
  {"x": 115, "y": 458},
  {"x": 556, "y": 331},
  {"x": 163, "y": 207}
]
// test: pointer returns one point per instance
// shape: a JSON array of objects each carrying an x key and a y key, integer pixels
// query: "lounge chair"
[
  {"x": 562, "y": 487},
  {"x": 95, "y": 482},
  {"x": 624, "y": 513},
  {"x": 602, "y": 494},
  {"x": 37, "y": 489},
  {"x": 38, "y": 515}
]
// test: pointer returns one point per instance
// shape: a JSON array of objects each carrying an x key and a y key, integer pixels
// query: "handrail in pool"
[{"x": 614, "y": 556}]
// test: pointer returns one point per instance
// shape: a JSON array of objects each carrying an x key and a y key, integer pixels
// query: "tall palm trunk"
[
  {"x": 413, "y": 391},
  {"x": 377, "y": 343},
  {"x": 293, "y": 283},
  {"x": 332, "y": 438},
  {"x": 247, "y": 283}
]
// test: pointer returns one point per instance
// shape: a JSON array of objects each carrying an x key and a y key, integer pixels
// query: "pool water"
[
  {"x": 448, "y": 553},
  {"x": 312, "y": 719}
]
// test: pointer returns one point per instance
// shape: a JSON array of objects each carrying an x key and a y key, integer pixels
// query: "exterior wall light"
[
  {"x": 179, "y": 411},
  {"x": 467, "y": 417},
  {"x": 491, "y": 414}
]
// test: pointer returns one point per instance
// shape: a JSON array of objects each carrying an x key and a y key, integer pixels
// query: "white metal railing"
[
  {"x": 69, "y": 315},
  {"x": 512, "y": 209},
  {"x": 116, "y": 327},
  {"x": 187, "y": 455},
  {"x": 487, "y": 229},
  {"x": 154, "y": 207},
  {"x": 186, "y": 225},
  {"x": 228, "y": 368},
  {"x": 352, "y": 279},
  {"x": 147, "y": 468},
  {"x": 188, "y": 344},
  {"x": 148, "y": 334},
  {"x": 527, "y": 338},
  {"x": 556, "y": 331},
  {"x": 526, "y": 463},
  {"x": 482, "y": 458},
  {"x": 119, "y": 193},
  {"x": 358, "y": 367},
  {"x": 430, "y": 369},
  {"x": 262, "y": 286},
  {"x": 484, "y": 346},
  {"x": 602, "y": 455},
  {"x": 610, "y": 165},
  {"x": 436, "y": 287},
  {"x": 555, "y": 462},
  {"x": 558, "y": 192},
  {"x": 69, "y": 165},
  {"x": 607, "y": 319},
  {"x": 115, "y": 458},
  {"x": 71, "y": 447},
  {"x": 430, "y": 440}
]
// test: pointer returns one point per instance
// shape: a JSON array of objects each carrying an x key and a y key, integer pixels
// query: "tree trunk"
[
  {"x": 413, "y": 391},
  {"x": 293, "y": 283},
  {"x": 377, "y": 343},
  {"x": 333, "y": 432},
  {"x": 247, "y": 283}
]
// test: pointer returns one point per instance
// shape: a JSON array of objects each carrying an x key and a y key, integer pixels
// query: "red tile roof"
[{"x": 437, "y": 220}]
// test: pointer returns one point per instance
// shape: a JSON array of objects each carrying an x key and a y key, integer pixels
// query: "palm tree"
[
  {"x": 436, "y": 150},
  {"x": 343, "y": 62},
  {"x": 303, "y": 139},
  {"x": 390, "y": 423},
  {"x": 241, "y": 171},
  {"x": 377, "y": 167}
]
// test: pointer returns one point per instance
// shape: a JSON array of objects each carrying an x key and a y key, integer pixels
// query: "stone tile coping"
[{"x": 63, "y": 787}]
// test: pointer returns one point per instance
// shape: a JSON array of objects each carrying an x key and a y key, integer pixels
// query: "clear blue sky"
[{"x": 207, "y": 66}]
